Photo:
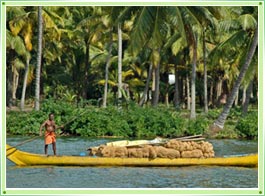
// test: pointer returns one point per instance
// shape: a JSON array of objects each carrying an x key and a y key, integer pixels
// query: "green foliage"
[
  {"x": 248, "y": 125},
  {"x": 27, "y": 123},
  {"x": 134, "y": 121},
  {"x": 235, "y": 113},
  {"x": 213, "y": 114},
  {"x": 198, "y": 126},
  {"x": 24, "y": 123}
]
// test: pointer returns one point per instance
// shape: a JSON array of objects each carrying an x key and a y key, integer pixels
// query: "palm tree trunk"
[
  {"x": 87, "y": 64},
  {"x": 211, "y": 94},
  {"x": 105, "y": 95},
  {"x": 205, "y": 75},
  {"x": 9, "y": 86},
  {"x": 236, "y": 99},
  {"x": 248, "y": 95},
  {"x": 219, "y": 123},
  {"x": 219, "y": 85},
  {"x": 188, "y": 92},
  {"x": 119, "y": 61},
  {"x": 39, "y": 55},
  {"x": 176, "y": 86},
  {"x": 193, "y": 79},
  {"x": 183, "y": 92},
  {"x": 22, "y": 103},
  {"x": 157, "y": 81},
  {"x": 15, "y": 83},
  {"x": 244, "y": 95},
  {"x": 141, "y": 103}
]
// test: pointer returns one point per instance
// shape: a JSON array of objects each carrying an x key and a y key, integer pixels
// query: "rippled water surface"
[{"x": 129, "y": 177}]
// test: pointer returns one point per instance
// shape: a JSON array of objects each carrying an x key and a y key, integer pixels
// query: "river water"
[{"x": 129, "y": 177}]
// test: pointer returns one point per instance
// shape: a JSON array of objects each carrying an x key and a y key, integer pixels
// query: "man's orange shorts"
[{"x": 50, "y": 137}]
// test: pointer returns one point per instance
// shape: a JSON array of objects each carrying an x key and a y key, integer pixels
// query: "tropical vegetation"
[{"x": 137, "y": 71}]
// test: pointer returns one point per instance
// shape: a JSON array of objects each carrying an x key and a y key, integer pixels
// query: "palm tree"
[
  {"x": 148, "y": 32},
  {"x": 39, "y": 57},
  {"x": 146, "y": 88},
  {"x": 249, "y": 79},
  {"x": 205, "y": 74},
  {"x": 15, "y": 50},
  {"x": 20, "y": 23},
  {"x": 219, "y": 123},
  {"x": 119, "y": 60},
  {"x": 108, "y": 61},
  {"x": 22, "y": 103}
]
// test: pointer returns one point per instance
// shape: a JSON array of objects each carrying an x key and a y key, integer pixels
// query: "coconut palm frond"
[
  {"x": 142, "y": 30},
  {"x": 54, "y": 16},
  {"x": 171, "y": 40},
  {"x": 113, "y": 59},
  {"x": 178, "y": 45},
  {"x": 102, "y": 82},
  {"x": 228, "y": 25},
  {"x": 203, "y": 16},
  {"x": 99, "y": 59},
  {"x": 27, "y": 34},
  {"x": 135, "y": 82},
  {"x": 126, "y": 74},
  {"x": 50, "y": 24},
  {"x": 136, "y": 69},
  {"x": 217, "y": 11},
  {"x": 189, "y": 15},
  {"x": 252, "y": 71},
  {"x": 157, "y": 39},
  {"x": 30, "y": 75},
  {"x": 14, "y": 11},
  {"x": 9, "y": 39},
  {"x": 18, "y": 64},
  {"x": 125, "y": 14},
  {"x": 232, "y": 44},
  {"x": 155, "y": 58},
  {"x": 247, "y": 21},
  {"x": 175, "y": 18},
  {"x": 18, "y": 46},
  {"x": 16, "y": 25}
]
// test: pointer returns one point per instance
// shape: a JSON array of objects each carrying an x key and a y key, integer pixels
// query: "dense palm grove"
[{"x": 182, "y": 59}]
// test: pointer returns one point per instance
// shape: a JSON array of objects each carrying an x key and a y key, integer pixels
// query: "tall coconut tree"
[
  {"x": 108, "y": 63},
  {"x": 20, "y": 23},
  {"x": 239, "y": 49},
  {"x": 90, "y": 22},
  {"x": 16, "y": 52},
  {"x": 189, "y": 22},
  {"x": 39, "y": 57},
  {"x": 219, "y": 122},
  {"x": 22, "y": 102},
  {"x": 148, "y": 31},
  {"x": 119, "y": 60},
  {"x": 249, "y": 79}
]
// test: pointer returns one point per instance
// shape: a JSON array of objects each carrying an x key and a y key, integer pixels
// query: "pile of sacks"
[{"x": 172, "y": 149}]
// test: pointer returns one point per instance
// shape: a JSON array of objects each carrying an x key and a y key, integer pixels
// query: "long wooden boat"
[{"x": 27, "y": 159}]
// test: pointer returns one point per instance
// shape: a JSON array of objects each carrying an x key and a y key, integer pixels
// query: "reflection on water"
[{"x": 129, "y": 177}]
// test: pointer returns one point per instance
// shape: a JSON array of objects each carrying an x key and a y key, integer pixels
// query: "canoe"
[{"x": 28, "y": 159}]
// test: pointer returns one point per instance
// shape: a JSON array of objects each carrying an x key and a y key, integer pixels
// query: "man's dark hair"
[{"x": 51, "y": 114}]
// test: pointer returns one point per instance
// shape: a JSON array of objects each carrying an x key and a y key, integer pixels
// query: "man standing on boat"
[{"x": 50, "y": 128}]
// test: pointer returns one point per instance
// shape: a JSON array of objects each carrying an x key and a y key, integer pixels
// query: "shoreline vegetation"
[
  {"x": 133, "y": 71},
  {"x": 129, "y": 121}
]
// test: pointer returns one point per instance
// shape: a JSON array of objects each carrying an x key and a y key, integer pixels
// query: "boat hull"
[{"x": 27, "y": 159}]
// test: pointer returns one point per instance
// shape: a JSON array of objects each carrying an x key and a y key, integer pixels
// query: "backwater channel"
[{"x": 128, "y": 177}]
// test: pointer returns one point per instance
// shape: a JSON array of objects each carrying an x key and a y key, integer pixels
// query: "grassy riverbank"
[{"x": 130, "y": 121}]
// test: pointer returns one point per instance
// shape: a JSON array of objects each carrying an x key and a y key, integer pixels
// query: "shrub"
[
  {"x": 24, "y": 123},
  {"x": 134, "y": 121},
  {"x": 248, "y": 126},
  {"x": 198, "y": 126}
]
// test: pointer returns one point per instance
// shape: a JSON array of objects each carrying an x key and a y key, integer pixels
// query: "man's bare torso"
[{"x": 50, "y": 125}]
